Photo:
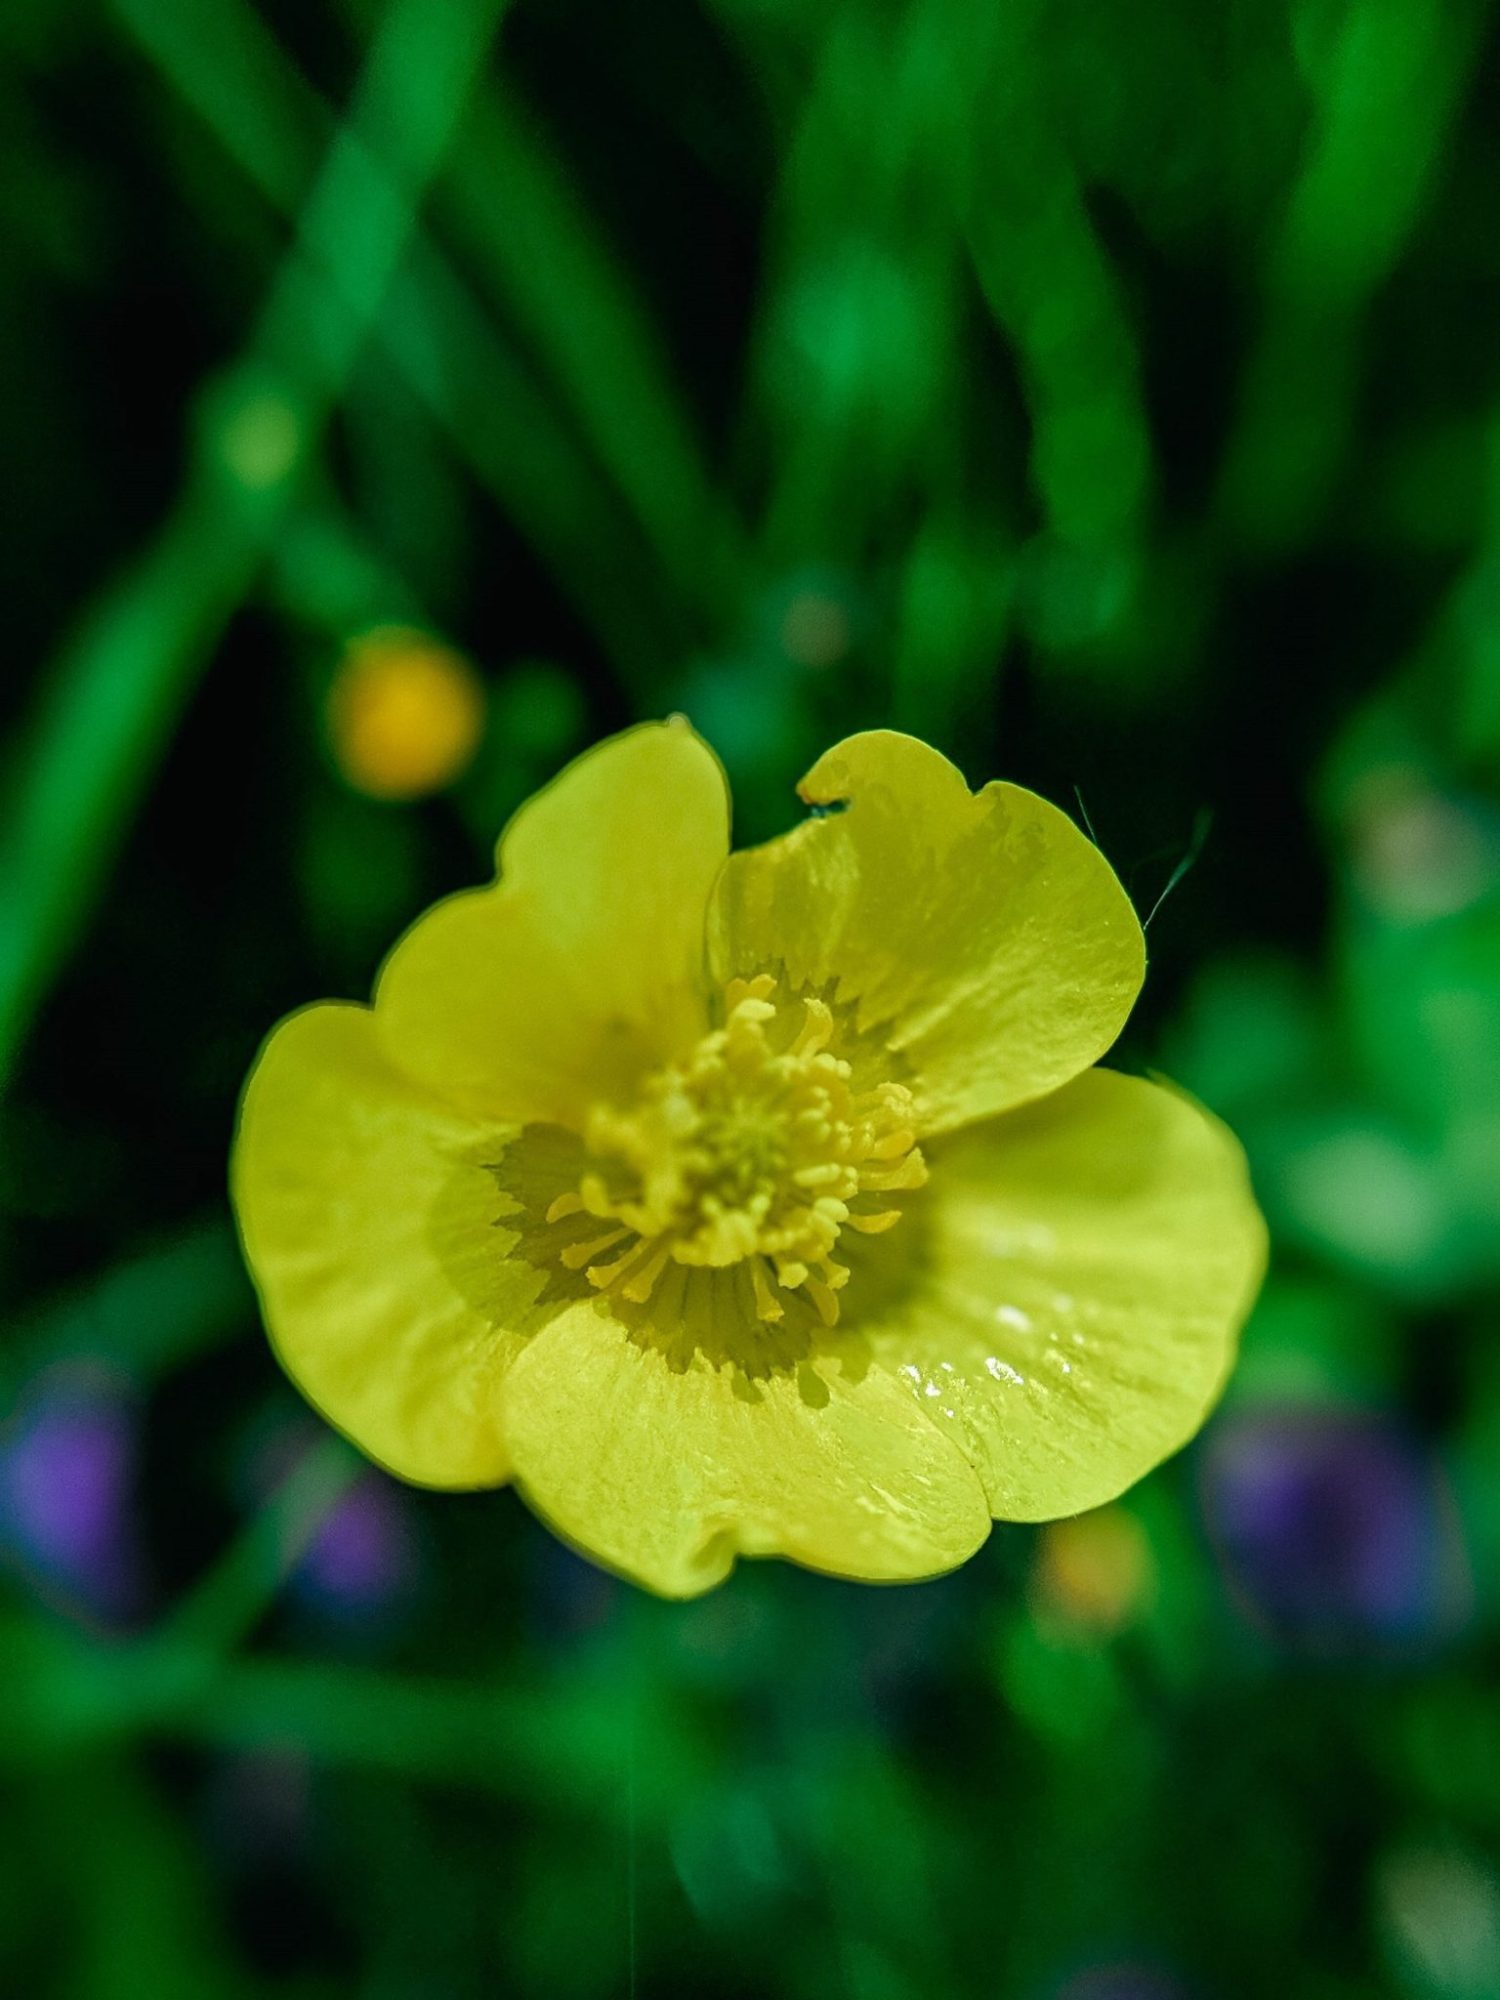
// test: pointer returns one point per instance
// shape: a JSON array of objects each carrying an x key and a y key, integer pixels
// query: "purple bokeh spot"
[
  {"x": 363, "y": 1558},
  {"x": 360, "y": 1565},
  {"x": 67, "y": 1470},
  {"x": 1121, "y": 1982},
  {"x": 1332, "y": 1527}
]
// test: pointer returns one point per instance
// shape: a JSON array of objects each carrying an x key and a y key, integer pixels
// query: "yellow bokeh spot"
[
  {"x": 1096, "y": 1571},
  {"x": 405, "y": 714}
]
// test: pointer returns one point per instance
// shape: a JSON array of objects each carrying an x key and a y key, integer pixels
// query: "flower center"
[{"x": 755, "y": 1150}]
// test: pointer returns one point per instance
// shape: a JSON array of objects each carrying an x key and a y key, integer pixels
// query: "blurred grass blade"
[
  {"x": 150, "y": 1920},
  {"x": 225, "y": 62},
  {"x": 359, "y": 216},
  {"x": 226, "y": 1604},
  {"x": 148, "y": 1316},
  {"x": 488, "y": 406},
  {"x": 557, "y": 1739},
  {"x": 856, "y": 364},
  {"x": 518, "y": 210},
  {"x": 110, "y": 701},
  {"x": 107, "y": 709},
  {"x": 1051, "y": 288},
  {"x": 1386, "y": 96}
]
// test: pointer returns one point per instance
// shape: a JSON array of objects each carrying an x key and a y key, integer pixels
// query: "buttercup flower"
[
  {"x": 759, "y": 1204},
  {"x": 405, "y": 713}
]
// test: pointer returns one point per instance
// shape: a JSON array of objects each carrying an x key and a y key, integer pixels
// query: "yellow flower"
[
  {"x": 759, "y": 1204},
  {"x": 405, "y": 714}
]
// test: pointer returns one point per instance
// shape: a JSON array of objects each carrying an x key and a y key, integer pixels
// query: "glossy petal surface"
[
  {"x": 583, "y": 963},
  {"x": 1072, "y": 1292},
  {"x": 986, "y": 938},
  {"x": 666, "y": 1471},
  {"x": 369, "y": 1223}
]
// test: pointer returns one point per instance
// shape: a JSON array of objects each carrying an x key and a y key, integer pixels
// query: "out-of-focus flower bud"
[
  {"x": 405, "y": 714},
  {"x": 1094, "y": 1571},
  {"x": 1333, "y": 1529},
  {"x": 67, "y": 1462}
]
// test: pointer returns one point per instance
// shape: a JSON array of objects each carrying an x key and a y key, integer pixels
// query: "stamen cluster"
[{"x": 756, "y": 1150}]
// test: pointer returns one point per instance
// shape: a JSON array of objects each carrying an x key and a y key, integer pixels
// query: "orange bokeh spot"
[{"x": 1096, "y": 1571}]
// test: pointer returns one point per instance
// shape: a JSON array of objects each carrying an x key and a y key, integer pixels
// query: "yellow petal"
[
  {"x": 665, "y": 1467},
  {"x": 1073, "y": 1285},
  {"x": 981, "y": 933},
  {"x": 368, "y": 1220},
  {"x": 583, "y": 962}
]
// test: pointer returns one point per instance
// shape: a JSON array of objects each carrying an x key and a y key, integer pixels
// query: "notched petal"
[
  {"x": 664, "y": 1463},
  {"x": 981, "y": 934}
]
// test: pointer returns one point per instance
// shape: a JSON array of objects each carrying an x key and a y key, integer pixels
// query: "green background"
[{"x": 1107, "y": 391}]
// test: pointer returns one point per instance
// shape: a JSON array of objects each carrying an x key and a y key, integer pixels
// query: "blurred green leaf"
[{"x": 148, "y": 1315}]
